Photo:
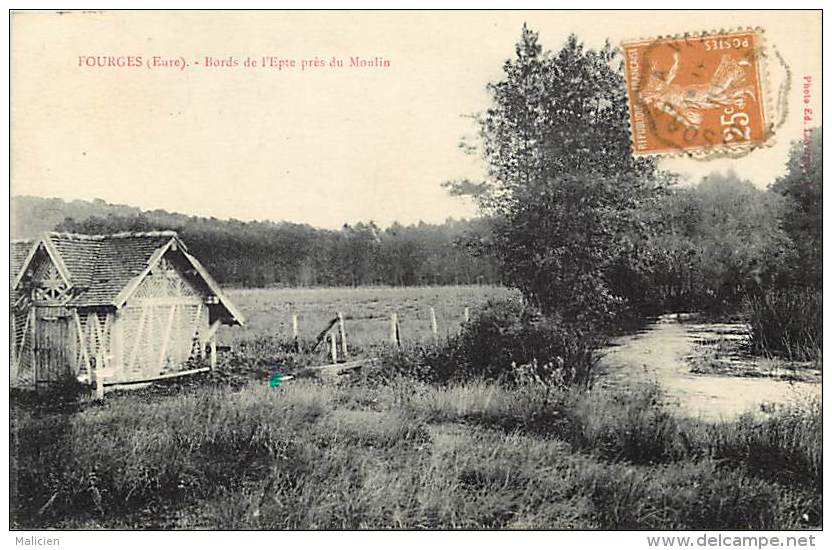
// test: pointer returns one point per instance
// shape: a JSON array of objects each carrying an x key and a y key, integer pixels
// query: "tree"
[
  {"x": 802, "y": 185},
  {"x": 565, "y": 193},
  {"x": 558, "y": 114}
]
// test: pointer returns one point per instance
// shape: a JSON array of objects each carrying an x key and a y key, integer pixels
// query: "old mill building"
[{"x": 111, "y": 309}]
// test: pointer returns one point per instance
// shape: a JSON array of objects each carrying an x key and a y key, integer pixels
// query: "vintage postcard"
[{"x": 416, "y": 270}]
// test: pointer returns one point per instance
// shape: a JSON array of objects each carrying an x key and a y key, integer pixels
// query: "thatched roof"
[{"x": 106, "y": 269}]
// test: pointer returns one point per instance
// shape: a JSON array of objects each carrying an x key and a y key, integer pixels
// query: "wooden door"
[{"x": 53, "y": 351}]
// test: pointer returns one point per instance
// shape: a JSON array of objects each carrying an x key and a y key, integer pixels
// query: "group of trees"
[
  {"x": 287, "y": 254},
  {"x": 724, "y": 240},
  {"x": 588, "y": 231},
  {"x": 710, "y": 245},
  {"x": 566, "y": 199}
]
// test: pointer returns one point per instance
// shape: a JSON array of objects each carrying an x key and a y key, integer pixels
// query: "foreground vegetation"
[{"x": 405, "y": 454}]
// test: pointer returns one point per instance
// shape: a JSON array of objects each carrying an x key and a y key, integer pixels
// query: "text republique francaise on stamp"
[{"x": 697, "y": 95}]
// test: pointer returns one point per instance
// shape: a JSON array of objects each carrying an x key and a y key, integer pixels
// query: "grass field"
[
  {"x": 366, "y": 311},
  {"x": 316, "y": 455}
]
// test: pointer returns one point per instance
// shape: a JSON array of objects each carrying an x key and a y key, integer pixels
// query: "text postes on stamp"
[{"x": 696, "y": 94}]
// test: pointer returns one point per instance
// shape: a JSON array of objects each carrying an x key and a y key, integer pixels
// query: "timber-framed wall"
[{"x": 150, "y": 312}]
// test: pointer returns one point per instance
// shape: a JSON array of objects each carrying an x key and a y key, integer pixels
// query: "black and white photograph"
[{"x": 423, "y": 270}]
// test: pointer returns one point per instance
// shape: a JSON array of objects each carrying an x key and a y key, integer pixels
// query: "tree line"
[{"x": 259, "y": 254}]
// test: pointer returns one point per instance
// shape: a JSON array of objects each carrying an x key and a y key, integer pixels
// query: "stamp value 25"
[{"x": 696, "y": 94}]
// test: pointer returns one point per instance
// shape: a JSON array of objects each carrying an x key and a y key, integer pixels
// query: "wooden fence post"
[
  {"x": 467, "y": 315},
  {"x": 394, "y": 329},
  {"x": 343, "y": 331},
  {"x": 333, "y": 347},
  {"x": 295, "y": 332},
  {"x": 433, "y": 326}
]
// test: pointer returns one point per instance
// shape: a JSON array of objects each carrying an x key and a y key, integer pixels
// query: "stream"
[{"x": 667, "y": 350}]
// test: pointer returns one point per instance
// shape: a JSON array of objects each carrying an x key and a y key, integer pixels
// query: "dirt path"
[{"x": 658, "y": 354}]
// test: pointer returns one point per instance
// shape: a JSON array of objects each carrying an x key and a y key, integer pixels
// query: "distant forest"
[{"x": 259, "y": 254}]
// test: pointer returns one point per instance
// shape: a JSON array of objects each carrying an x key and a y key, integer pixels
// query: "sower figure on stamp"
[{"x": 727, "y": 87}]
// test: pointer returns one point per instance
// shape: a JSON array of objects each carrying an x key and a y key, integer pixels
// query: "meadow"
[{"x": 366, "y": 311}]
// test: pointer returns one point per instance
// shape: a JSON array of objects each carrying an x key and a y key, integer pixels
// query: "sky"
[{"x": 318, "y": 145}]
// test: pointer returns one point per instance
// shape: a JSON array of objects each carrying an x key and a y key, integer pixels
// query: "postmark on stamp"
[{"x": 697, "y": 95}]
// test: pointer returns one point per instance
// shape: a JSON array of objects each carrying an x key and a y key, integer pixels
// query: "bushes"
[
  {"x": 787, "y": 322},
  {"x": 508, "y": 334},
  {"x": 507, "y": 341}
]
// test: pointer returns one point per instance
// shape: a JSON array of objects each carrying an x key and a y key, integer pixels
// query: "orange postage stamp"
[{"x": 696, "y": 95}]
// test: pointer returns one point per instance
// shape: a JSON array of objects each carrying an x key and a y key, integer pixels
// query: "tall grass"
[
  {"x": 406, "y": 454},
  {"x": 787, "y": 322}
]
